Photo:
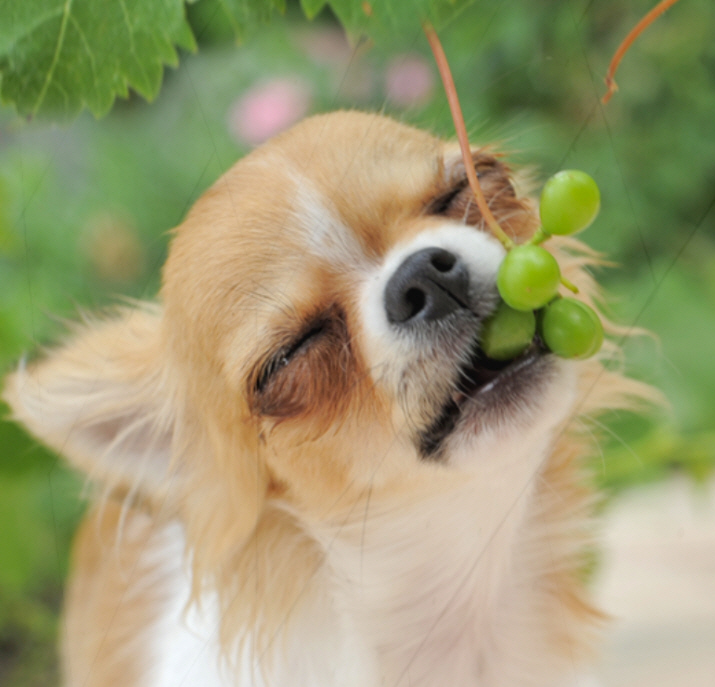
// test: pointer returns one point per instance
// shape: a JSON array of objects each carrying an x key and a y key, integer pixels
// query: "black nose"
[{"x": 429, "y": 285}]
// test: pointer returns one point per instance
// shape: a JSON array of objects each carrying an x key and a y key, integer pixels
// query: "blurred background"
[{"x": 85, "y": 211}]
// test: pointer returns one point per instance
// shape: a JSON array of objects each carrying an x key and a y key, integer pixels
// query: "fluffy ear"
[{"x": 103, "y": 401}]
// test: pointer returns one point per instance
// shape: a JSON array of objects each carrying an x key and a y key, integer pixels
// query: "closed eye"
[
  {"x": 458, "y": 203},
  {"x": 309, "y": 374},
  {"x": 282, "y": 358},
  {"x": 443, "y": 204}
]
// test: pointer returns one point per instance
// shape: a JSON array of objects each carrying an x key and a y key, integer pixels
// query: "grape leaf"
[
  {"x": 381, "y": 20},
  {"x": 59, "y": 56},
  {"x": 244, "y": 15},
  {"x": 311, "y": 8}
]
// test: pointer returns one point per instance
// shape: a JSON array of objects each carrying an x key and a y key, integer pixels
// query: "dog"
[{"x": 306, "y": 473}]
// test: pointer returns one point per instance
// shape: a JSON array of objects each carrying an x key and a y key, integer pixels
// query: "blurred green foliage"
[{"x": 85, "y": 211}]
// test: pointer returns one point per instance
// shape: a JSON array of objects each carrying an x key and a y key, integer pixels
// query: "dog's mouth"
[{"x": 484, "y": 387}]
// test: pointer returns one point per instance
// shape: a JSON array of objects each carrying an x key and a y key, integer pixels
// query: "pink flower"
[
  {"x": 409, "y": 81},
  {"x": 268, "y": 108}
]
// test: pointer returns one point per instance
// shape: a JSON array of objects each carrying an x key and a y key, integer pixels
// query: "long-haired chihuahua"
[{"x": 308, "y": 473}]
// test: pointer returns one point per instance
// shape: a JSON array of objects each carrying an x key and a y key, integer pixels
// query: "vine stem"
[
  {"x": 625, "y": 45},
  {"x": 461, "y": 130}
]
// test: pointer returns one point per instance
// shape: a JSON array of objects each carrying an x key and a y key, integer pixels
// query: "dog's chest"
[
  {"x": 426, "y": 590},
  {"x": 393, "y": 614}
]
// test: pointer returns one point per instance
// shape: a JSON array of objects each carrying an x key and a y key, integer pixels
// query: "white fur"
[
  {"x": 184, "y": 650},
  {"x": 184, "y": 640},
  {"x": 326, "y": 237}
]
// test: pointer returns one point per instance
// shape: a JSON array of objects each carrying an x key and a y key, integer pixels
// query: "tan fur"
[
  {"x": 105, "y": 605},
  {"x": 237, "y": 460}
]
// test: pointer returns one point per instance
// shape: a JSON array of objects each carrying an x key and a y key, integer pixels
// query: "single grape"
[
  {"x": 571, "y": 329},
  {"x": 570, "y": 201},
  {"x": 528, "y": 277},
  {"x": 508, "y": 332}
]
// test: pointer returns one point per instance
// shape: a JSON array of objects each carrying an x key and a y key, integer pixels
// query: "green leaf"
[
  {"x": 382, "y": 20},
  {"x": 59, "y": 56},
  {"x": 244, "y": 15},
  {"x": 311, "y": 8}
]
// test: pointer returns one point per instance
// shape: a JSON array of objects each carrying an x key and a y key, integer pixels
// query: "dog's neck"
[
  {"x": 425, "y": 586},
  {"x": 451, "y": 588},
  {"x": 434, "y": 589},
  {"x": 446, "y": 590}
]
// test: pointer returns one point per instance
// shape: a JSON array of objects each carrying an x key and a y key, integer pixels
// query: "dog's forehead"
[
  {"x": 345, "y": 179},
  {"x": 354, "y": 179}
]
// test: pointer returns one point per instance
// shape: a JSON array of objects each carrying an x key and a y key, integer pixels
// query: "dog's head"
[{"x": 317, "y": 338}]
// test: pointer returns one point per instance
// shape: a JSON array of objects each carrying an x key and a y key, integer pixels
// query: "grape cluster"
[{"x": 529, "y": 278}]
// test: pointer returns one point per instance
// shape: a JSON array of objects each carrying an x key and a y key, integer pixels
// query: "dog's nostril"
[
  {"x": 415, "y": 300},
  {"x": 429, "y": 285},
  {"x": 443, "y": 261}
]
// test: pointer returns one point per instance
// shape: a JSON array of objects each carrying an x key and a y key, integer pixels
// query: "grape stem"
[
  {"x": 623, "y": 48},
  {"x": 458, "y": 118},
  {"x": 569, "y": 284},
  {"x": 539, "y": 237},
  {"x": 536, "y": 240},
  {"x": 461, "y": 130}
]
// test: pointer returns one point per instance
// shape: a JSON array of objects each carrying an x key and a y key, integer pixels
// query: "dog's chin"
[{"x": 492, "y": 395}]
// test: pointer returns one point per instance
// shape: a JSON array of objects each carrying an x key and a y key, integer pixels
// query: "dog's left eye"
[
  {"x": 444, "y": 204},
  {"x": 458, "y": 203}
]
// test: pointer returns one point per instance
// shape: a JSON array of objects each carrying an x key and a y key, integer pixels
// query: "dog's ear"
[{"x": 103, "y": 401}]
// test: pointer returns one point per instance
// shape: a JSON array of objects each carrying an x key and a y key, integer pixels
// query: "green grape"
[
  {"x": 570, "y": 201},
  {"x": 571, "y": 329},
  {"x": 528, "y": 277},
  {"x": 508, "y": 332}
]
